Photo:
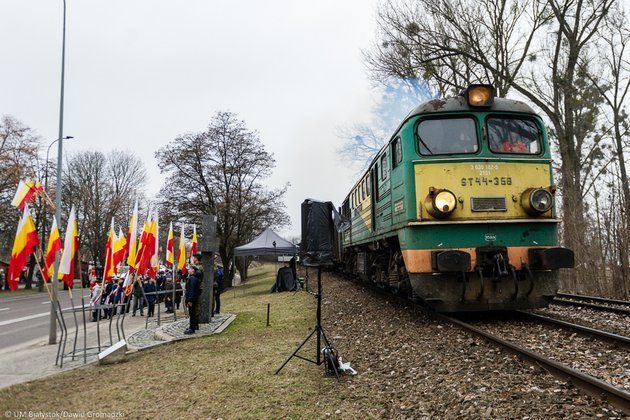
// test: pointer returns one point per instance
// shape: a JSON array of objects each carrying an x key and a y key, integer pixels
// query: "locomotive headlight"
[
  {"x": 480, "y": 95},
  {"x": 536, "y": 201},
  {"x": 441, "y": 203}
]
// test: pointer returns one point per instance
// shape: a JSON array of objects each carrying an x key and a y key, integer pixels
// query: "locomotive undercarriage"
[
  {"x": 494, "y": 283},
  {"x": 380, "y": 263}
]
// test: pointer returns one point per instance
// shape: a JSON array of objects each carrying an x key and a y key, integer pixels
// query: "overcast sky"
[{"x": 140, "y": 72}]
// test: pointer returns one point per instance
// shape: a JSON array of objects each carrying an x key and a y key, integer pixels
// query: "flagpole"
[
  {"x": 52, "y": 332},
  {"x": 173, "y": 298},
  {"x": 83, "y": 308}
]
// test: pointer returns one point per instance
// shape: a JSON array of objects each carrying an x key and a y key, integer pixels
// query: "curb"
[{"x": 166, "y": 338}]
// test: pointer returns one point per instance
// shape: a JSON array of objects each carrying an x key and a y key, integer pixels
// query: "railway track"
[
  {"x": 598, "y": 303},
  {"x": 595, "y": 299},
  {"x": 590, "y": 384},
  {"x": 609, "y": 337}
]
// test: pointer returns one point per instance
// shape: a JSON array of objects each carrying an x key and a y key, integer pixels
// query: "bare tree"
[
  {"x": 101, "y": 186},
  {"x": 219, "y": 171},
  {"x": 19, "y": 146},
  {"x": 612, "y": 79},
  {"x": 536, "y": 49},
  {"x": 453, "y": 44}
]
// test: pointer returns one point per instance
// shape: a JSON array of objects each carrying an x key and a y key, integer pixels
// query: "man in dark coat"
[
  {"x": 193, "y": 292},
  {"x": 218, "y": 288},
  {"x": 138, "y": 300},
  {"x": 150, "y": 290},
  {"x": 106, "y": 292}
]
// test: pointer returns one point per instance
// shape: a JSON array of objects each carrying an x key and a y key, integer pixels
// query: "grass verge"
[{"x": 230, "y": 375}]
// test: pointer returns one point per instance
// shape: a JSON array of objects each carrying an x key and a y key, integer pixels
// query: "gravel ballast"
[
  {"x": 592, "y": 356},
  {"x": 415, "y": 366},
  {"x": 607, "y": 321}
]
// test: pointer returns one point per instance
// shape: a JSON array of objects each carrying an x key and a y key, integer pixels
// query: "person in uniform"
[{"x": 193, "y": 292}]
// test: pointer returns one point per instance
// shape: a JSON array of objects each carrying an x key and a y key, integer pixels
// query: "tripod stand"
[{"x": 318, "y": 331}]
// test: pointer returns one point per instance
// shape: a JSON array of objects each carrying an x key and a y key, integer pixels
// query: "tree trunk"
[
  {"x": 241, "y": 265},
  {"x": 573, "y": 222},
  {"x": 31, "y": 271}
]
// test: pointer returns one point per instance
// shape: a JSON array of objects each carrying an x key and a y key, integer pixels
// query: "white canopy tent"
[{"x": 267, "y": 243}]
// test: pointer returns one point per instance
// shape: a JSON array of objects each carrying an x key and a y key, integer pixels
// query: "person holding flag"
[{"x": 23, "y": 246}]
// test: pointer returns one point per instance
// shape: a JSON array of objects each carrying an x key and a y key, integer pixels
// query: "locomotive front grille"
[{"x": 488, "y": 204}]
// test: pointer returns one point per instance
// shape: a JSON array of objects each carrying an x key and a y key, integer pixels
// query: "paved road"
[{"x": 26, "y": 317}]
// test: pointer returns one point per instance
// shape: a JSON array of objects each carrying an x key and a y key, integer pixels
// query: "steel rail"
[
  {"x": 589, "y": 384},
  {"x": 594, "y": 299},
  {"x": 614, "y": 309},
  {"x": 581, "y": 329}
]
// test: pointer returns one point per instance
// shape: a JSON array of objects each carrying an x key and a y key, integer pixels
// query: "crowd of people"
[{"x": 147, "y": 291}]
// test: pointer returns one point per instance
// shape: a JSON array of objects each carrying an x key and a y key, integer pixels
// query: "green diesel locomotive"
[{"x": 458, "y": 208}]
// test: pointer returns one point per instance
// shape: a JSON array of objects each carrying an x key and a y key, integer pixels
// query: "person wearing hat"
[
  {"x": 196, "y": 262},
  {"x": 193, "y": 292}
]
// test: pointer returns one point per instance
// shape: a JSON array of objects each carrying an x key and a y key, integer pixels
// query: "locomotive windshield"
[
  {"x": 513, "y": 135},
  {"x": 447, "y": 136}
]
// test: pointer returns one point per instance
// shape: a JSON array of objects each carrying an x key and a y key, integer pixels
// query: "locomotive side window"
[
  {"x": 396, "y": 152},
  {"x": 363, "y": 188},
  {"x": 513, "y": 135},
  {"x": 384, "y": 167},
  {"x": 447, "y": 136},
  {"x": 345, "y": 208},
  {"x": 375, "y": 180}
]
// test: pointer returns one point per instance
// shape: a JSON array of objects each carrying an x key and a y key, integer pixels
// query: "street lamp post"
[{"x": 52, "y": 332}]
